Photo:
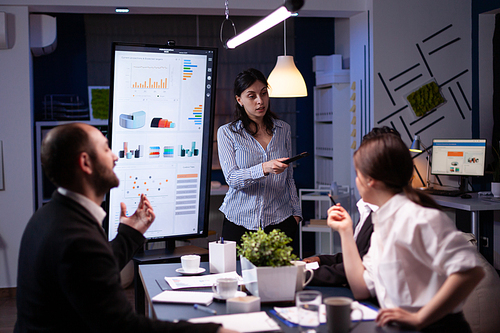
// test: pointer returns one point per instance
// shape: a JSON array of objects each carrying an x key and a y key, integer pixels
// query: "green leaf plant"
[{"x": 263, "y": 249}]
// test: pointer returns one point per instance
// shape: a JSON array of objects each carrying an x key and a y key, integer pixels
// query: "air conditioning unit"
[{"x": 43, "y": 34}]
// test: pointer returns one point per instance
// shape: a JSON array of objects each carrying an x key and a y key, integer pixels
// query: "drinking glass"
[{"x": 308, "y": 303}]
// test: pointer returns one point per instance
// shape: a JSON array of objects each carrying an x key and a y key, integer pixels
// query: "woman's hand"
[
  {"x": 339, "y": 219},
  {"x": 398, "y": 315},
  {"x": 274, "y": 166},
  {"x": 143, "y": 217}
]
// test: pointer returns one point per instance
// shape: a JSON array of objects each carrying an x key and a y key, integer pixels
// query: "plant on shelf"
[{"x": 263, "y": 249}]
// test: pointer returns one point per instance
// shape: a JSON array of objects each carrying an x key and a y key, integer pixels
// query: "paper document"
[
  {"x": 312, "y": 265},
  {"x": 190, "y": 297},
  {"x": 290, "y": 313},
  {"x": 242, "y": 322},
  {"x": 199, "y": 281}
]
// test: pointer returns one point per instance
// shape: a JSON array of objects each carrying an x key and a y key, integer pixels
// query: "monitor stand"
[
  {"x": 464, "y": 184},
  {"x": 169, "y": 254}
]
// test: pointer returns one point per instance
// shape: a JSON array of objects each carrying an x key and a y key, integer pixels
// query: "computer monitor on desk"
[{"x": 459, "y": 157}]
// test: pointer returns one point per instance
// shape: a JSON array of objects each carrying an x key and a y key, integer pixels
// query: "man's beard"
[{"x": 103, "y": 179}]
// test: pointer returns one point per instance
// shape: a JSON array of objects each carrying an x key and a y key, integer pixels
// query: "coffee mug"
[
  {"x": 338, "y": 314},
  {"x": 301, "y": 275},
  {"x": 190, "y": 263},
  {"x": 225, "y": 287}
]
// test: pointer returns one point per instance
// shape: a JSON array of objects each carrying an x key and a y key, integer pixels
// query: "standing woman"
[
  {"x": 419, "y": 265},
  {"x": 262, "y": 191}
]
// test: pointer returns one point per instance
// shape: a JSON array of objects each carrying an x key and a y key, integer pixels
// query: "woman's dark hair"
[
  {"x": 383, "y": 156},
  {"x": 60, "y": 151},
  {"x": 244, "y": 80}
]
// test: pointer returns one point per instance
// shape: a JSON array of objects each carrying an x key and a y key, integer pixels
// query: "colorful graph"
[
  {"x": 187, "y": 69},
  {"x": 188, "y": 152},
  {"x": 154, "y": 183},
  {"x": 162, "y": 123},
  {"x": 168, "y": 151},
  {"x": 150, "y": 77},
  {"x": 197, "y": 115},
  {"x": 154, "y": 151}
]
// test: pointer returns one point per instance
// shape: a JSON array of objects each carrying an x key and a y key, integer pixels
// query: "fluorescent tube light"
[
  {"x": 268, "y": 22},
  {"x": 122, "y": 10},
  {"x": 282, "y": 13}
]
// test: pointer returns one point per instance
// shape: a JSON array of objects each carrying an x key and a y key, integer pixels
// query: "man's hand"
[
  {"x": 312, "y": 259},
  {"x": 143, "y": 217}
]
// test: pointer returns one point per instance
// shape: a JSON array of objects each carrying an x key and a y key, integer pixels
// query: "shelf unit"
[
  {"x": 44, "y": 188},
  {"x": 332, "y": 150},
  {"x": 320, "y": 197}
]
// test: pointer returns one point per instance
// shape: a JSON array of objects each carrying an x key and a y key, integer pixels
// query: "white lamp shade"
[{"x": 285, "y": 79}]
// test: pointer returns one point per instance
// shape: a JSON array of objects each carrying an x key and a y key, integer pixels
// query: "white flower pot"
[
  {"x": 495, "y": 189},
  {"x": 271, "y": 284}
]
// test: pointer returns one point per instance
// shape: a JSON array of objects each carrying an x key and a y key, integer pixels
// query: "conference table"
[{"x": 152, "y": 278}]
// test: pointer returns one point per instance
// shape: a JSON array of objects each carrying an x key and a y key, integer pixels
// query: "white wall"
[
  {"x": 400, "y": 28},
  {"x": 16, "y": 132}
]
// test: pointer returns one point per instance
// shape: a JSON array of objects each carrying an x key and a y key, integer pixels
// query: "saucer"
[
  {"x": 181, "y": 271},
  {"x": 237, "y": 294}
]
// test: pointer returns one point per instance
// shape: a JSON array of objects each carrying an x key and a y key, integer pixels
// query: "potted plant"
[{"x": 266, "y": 265}]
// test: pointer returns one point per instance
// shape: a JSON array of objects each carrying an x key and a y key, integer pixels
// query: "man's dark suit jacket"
[
  {"x": 69, "y": 276},
  {"x": 331, "y": 270}
]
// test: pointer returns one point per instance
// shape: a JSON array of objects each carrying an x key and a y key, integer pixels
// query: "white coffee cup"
[
  {"x": 190, "y": 263},
  {"x": 225, "y": 287},
  {"x": 301, "y": 275}
]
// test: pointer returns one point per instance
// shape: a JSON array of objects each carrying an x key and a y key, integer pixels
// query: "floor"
[{"x": 8, "y": 310}]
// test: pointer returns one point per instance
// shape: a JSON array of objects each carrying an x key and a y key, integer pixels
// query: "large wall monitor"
[
  {"x": 162, "y": 101},
  {"x": 458, "y": 157}
]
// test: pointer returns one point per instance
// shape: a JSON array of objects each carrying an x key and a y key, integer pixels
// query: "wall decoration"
[
  {"x": 425, "y": 98},
  {"x": 99, "y": 102}
]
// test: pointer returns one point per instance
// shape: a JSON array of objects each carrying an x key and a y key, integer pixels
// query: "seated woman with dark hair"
[{"x": 419, "y": 266}]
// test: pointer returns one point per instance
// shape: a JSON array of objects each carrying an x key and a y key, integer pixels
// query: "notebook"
[{"x": 189, "y": 297}]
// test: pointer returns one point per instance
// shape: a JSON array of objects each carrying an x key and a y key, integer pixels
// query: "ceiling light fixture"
[
  {"x": 282, "y": 13},
  {"x": 122, "y": 10},
  {"x": 285, "y": 79}
]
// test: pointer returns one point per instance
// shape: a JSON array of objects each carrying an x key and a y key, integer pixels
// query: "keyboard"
[{"x": 446, "y": 193}]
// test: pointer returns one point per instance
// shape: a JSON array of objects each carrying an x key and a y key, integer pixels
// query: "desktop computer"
[{"x": 463, "y": 158}]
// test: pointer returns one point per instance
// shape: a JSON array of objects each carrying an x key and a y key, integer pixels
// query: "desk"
[
  {"x": 473, "y": 205},
  {"x": 156, "y": 257},
  {"x": 150, "y": 273}
]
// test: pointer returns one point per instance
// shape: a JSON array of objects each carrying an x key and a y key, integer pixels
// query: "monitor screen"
[
  {"x": 458, "y": 157},
  {"x": 161, "y": 127}
]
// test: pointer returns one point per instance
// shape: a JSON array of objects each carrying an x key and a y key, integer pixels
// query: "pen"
[
  {"x": 331, "y": 199},
  {"x": 204, "y": 308}
]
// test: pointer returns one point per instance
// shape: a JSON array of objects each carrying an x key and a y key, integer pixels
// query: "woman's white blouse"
[{"x": 413, "y": 250}]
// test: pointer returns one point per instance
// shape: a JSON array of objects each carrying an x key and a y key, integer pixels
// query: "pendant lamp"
[{"x": 285, "y": 79}]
